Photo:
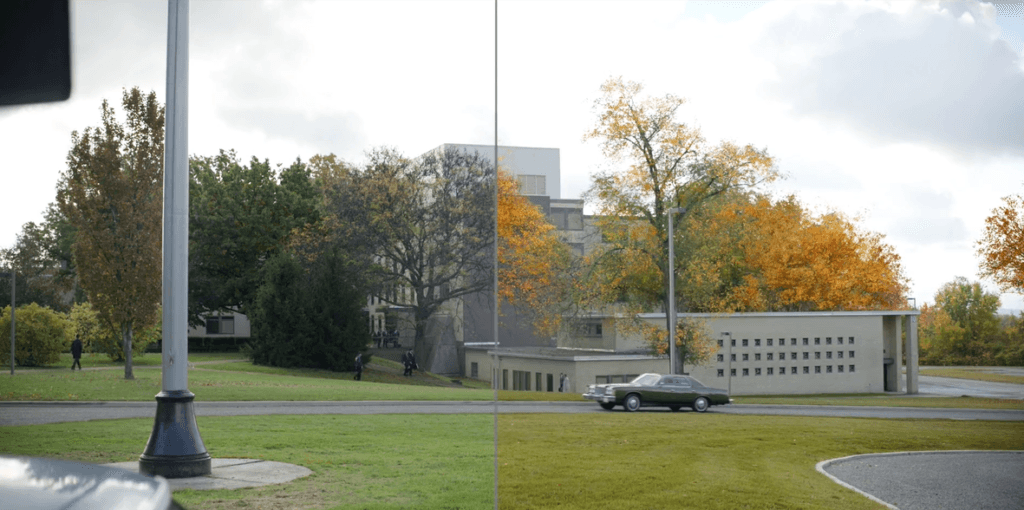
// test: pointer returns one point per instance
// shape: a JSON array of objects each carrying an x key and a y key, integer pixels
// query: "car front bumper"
[{"x": 600, "y": 397}]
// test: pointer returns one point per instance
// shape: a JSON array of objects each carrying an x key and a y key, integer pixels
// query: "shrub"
[{"x": 41, "y": 335}]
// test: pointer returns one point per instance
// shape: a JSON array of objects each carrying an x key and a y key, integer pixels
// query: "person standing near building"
[
  {"x": 359, "y": 367},
  {"x": 76, "y": 352}
]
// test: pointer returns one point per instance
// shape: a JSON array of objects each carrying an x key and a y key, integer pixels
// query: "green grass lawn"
[
  {"x": 149, "y": 359},
  {"x": 358, "y": 462},
  {"x": 608, "y": 460},
  {"x": 977, "y": 374},
  {"x": 620, "y": 460},
  {"x": 216, "y": 385}
]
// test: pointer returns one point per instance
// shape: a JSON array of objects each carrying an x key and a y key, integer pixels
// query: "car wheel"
[
  {"x": 675, "y": 408},
  {"x": 701, "y": 404},
  {"x": 632, "y": 402},
  {"x": 607, "y": 406}
]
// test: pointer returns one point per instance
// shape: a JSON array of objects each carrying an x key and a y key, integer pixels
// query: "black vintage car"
[{"x": 672, "y": 391}]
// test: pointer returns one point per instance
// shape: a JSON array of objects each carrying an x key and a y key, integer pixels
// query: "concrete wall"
[
  {"x": 581, "y": 370},
  {"x": 837, "y": 352},
  {"x": 822, "y": 344}
]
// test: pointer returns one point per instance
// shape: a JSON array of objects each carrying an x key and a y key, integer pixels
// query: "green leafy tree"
[
  {"x": 973, "y": 310},
  {"x": 428, "y": 224},
  {"x": 42, "y": 334},
  {"x": 32, "y": 269},
  {"x": 240, "y": 217},
  {"x": 112, "y": 193}
]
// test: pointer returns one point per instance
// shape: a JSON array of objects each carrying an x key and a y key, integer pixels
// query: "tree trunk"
[
  {"x": 420, "y": 342},
  {"x": 126, "y": 332}
]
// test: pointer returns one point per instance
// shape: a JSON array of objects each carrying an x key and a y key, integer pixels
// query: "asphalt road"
[{"x": 35, "y": 413}]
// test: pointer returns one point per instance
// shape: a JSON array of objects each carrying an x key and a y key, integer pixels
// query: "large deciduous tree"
[
  {"x": 428, "y": 224},
  {"x": 664, "y": 164},
  {"x": 1001, "y": 247},
  {"x": 962, "y": 326},
  {"x": 239, "y": 217},
  {"x": 112, "y": 193},
  {"x": 971, "y": 308}
]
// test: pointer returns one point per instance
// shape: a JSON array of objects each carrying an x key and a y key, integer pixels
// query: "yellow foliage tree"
[
  {"x": 112, "y": 193},
  {"x": 666, "y": 164}
]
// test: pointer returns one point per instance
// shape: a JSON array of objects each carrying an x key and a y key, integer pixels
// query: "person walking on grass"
[
  {"x": 409, "y": 361},
  {"x": 359, "y": 367},
  {"x": 76, "y": 352}
]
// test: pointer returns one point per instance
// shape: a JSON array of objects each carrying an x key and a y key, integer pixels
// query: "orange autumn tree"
[
  {"x": 776, "y": 256},
  {"x": 1001, "y": 247},
  {"x": 533, "y": 262}
]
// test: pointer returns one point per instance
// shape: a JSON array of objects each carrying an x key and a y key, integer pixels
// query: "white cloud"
[{"x": 901, "y": 71}]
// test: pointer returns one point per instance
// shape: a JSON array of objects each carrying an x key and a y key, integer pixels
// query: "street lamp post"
[
  {"x": 672, "y": 289},
  {"x": 175, "y": 448},
  {"x": 12, "y": 317},
  {"x": 728, "y": 361}
]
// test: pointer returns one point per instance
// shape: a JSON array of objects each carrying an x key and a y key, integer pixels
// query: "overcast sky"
[{"x": 907, "y": 114}]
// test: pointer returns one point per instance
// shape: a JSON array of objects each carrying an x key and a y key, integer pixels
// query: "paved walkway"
[
  {"x": 233, "y": 474},
  {"x": 948, "y": 480}
]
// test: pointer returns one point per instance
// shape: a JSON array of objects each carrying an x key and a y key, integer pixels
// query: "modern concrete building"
[{"x": 758, "y": 353}]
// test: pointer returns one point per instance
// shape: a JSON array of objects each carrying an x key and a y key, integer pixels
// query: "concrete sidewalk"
[{"x": 233, "y": 474}]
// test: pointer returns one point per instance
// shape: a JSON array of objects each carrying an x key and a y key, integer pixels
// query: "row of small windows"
[
  {"x": 521, "y": 380},
  {"x": 770, "y": 342},
  {"x": 770, "y": 356},
  {"x": 792, "y": 370}
]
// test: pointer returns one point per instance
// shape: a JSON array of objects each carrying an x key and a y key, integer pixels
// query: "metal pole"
[
  {"x": 175, "y": 448},
  {"x": 13, "y": 283},
  {"x": 671, "y": 296},
  {"x": 728, "y": 361},
  {"x": 497, "y": 357},
  {"x": 672, "y": 289}
]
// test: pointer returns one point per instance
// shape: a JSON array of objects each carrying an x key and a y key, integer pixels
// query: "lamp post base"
[{"x": 175, "y": 449}]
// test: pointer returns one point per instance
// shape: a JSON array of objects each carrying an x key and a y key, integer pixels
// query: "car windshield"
[{"x": 646, "y": 380}]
